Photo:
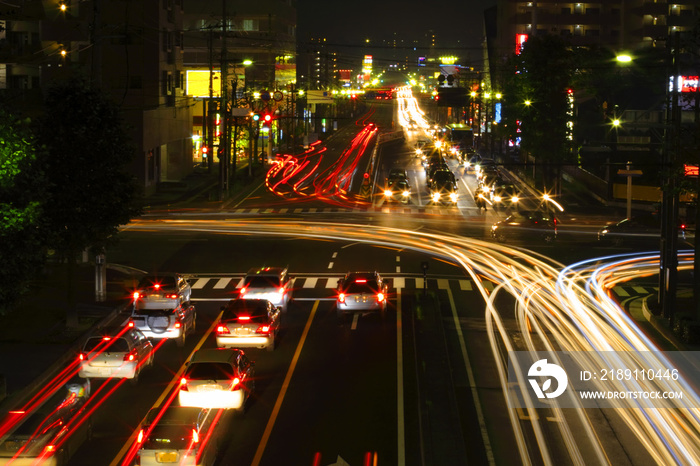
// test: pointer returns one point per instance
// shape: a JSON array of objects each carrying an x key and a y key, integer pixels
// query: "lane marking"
[
  {"x": 472, "y": 381},
  {"x": 401, "y": 440},
  {"x": 330, "y": 265},
  {"x": 310, "y": 282},
  {"x": 465, "y": 285},
  {"x": 355, "y": 319},
  {"x": 200, "y": 283},
  {"x": 283, "y": 391}
]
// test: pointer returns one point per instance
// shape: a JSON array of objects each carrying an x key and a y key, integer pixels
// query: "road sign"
[{"x": 629, "y": 172}]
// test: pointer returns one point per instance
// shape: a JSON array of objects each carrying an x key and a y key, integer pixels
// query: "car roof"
[
  {"x": 216, "y": 355},
  {"x": 174, "y": 415},
  {"x": 354, "y": 275},
  {"x": 267, "y": 271},
  {"x": 242, "y": 304}
]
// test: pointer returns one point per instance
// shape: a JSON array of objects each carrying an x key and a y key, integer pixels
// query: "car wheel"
[
  {"x": 181, "y": 339},
  {"x": 500, "y": 237},
  {"x": 194, "y": 323}
]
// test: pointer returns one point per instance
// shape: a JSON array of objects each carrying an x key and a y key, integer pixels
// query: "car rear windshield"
[
  {"x": 171, "y": 437},
  {"x": 369, "y": 287},
  {"x": 262, "y": 282},
  {"x": 151, "y": 280},
  {"x": 210, "y": 371},
  {"x": 117, "y": 345},
  {"x": 245, "y": 308}
]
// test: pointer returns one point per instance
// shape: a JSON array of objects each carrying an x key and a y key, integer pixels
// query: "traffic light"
[
  {"x": 205, "y": 152},
  {"x": 267, "y": 119},
  {"x": 256, "y": 116}
]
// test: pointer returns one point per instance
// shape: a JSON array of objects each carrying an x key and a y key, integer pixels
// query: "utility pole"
[
  {"x": 224, "y": 146},
  {"x": 668, "y": 263},
  {"x": 209, "y": 122}
]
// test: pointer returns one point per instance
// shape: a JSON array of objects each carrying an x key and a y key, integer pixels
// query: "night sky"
[{"x": 458, "y": 24}]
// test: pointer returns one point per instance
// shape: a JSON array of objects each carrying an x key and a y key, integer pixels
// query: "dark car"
[
  {"x": 443, "y": 187},
  {"x": 397, "y": 190},
  {"x": 641, "y": 230},
  {"x": 505, "y": 195},
  {"x": 534, "y": 224}
]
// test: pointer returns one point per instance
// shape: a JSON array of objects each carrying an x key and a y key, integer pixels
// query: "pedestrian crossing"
[
  {"x": 231, "y": 283},
  {"x": 630, "y": 291},
  {"x": 401, "y": 210}
]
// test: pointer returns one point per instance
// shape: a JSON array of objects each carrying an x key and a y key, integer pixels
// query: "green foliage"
[
  {"x": 21, "y": 206},
  {"x": 91, "y": 192}
]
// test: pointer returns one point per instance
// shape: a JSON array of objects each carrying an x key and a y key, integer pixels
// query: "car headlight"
[
  {"x": 514, "y": 199},
  {"x": 603, "y": 231},
  {"x": 387, "y": 193},
  {"x": 497, "y": 199},
  {"x": 436, "y": 197},
  {"x": 406, "y": 193},
  {"x": 453, "y": 197},
  {"x": 494, "y": 227}
]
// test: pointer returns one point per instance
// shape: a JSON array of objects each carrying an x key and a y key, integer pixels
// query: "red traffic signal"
[{"x": 267, "y": 118}]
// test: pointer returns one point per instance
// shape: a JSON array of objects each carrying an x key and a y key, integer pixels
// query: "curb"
[{"x": 658, "y": 324}]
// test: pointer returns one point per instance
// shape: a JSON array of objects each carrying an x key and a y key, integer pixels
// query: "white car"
[
  {"x": 157, "y": 324},
  {"x": 271, "y": 283},
  {"x": 162, "y": 291},
  {"x": 119, "y": 352},
  {"x": 218, "y": 378},
  {"x": 177, "y": 435}
]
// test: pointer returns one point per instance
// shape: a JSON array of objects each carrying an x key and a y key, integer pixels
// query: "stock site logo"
[{"x": 552, "y": 371}]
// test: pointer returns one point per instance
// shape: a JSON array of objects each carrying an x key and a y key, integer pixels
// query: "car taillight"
[
  {"x": 131, "y": 356},
  {"x": 341, "y": 298},
  {"x": 195, "y": 436},
  {"x": 243, "y": 291},
  {"x": 136, "y": 295},
  {"x": 178, "y": 324},
  {"x": 381, "y": 297},
  {"x": 183, "y": 384},
  {"x": 222, "y": 330},
  {"x": 263, "y": 329},
  {"x": 82, "y": 357},
  {"x": 171, "y": 296},
  {"x": 235, "y": 382},
  {"x": 281, "y": 290},
  {"x": 130, "y": 324},
  {"x": 361, "y": 280},
  {"x": 139, "y": 438},
  {"x": 49, "y": 450}
]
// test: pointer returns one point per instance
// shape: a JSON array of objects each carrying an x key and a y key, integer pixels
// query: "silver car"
[
  {"x": 271, "y": 283},
  {"x": 115, "y": 352},
  {"x": 173, "y": 324},
  {"x": 248, "y": 323},
  {"x": 179, "y": 435},
  {"x": 162, "y": 291},
  {"x": 361, "y": 291}
]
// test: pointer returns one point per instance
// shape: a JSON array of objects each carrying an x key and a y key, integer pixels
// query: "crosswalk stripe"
[
  {"x": 443, "y": 283},
  {"x": 222, "y": 283},
  {"x": 640, "y": 289},
  {"x": 399, "y": 282},
  {"x": 620, "y": 291},
  {"x": 310, "y": 282},
  {"x": 488, "y": 286},
  {"x": 465, "y": 285},
  {"x": 240, "y": 283},
  {"x": 200, "y": 283}
]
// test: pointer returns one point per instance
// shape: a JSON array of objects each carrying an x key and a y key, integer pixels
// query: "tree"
[
  {"x": 21, "y": 207},
  {"x": 90, "y": 191},
  {"x": 542, "y": 76}
]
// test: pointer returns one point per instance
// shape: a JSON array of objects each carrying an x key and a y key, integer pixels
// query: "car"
[
  {"x": 397, "y": 174},
  {"x": 179, "y": 435},
  {"x": 531, "y": 224},
  {"x": 443, "y": 188},
  {"x": 482, "y": 197},
  {"x": 115, "y": 352},
  {"x": 361, "y": 291},
  {"x": 640, "y": 230},
  {"x": 248, "y": 323},
  {"x": 489, "y": 176},
  {"x": 157, "y": 324},
  {"x": 484, "y": 165},
  {"x": 397, "y": 190},
  {"x": 505, "y": 195},
  {"x": 471, "y": 162},
  {"x": 217, "y": 378},
  {"x": 49, "y": 434},
  {"x": 162, "y": 291},
  {"x": 433, "y": 169},
  {"x": 271, "y": 283}
]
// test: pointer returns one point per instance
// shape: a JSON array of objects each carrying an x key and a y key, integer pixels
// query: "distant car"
[
  {"x": 217, "y": 378},
  {"x": 397, "y": 174},
  {"x": 271, "y": 283},
  {"x": 505, "y": 195},
  {"x": 443, "y": 188},
  {"x": 179, "y": 435},
  {"x": 115, "y": 352},
  {"x": 361, "y": 291},
  {"x": 397, "y": 190},
  {"x": 162, "y": 291},
  {"x": 488, "y": 177},
  {"x": 433, "y": 169},
  {"x": 533, "y": 224},
  {"x": 49, "y": 434},
  {"x": 248, "y": 323},
  {"x": 173, "y": 324},
  {"x": 471, "y": 162},
  {"x": 640, "y": 230},
  {"x": 484, "y": 164}
]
